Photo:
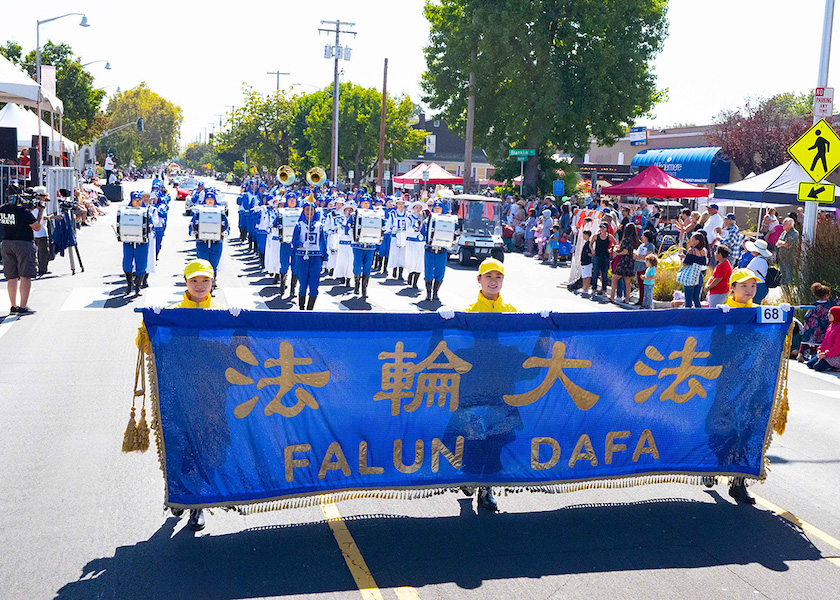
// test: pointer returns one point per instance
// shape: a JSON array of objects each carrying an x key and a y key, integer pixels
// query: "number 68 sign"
[{"x": 770, "y": 314}]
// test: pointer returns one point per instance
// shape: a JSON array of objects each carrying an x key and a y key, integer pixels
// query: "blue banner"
[{"x": 267, "y": 406}]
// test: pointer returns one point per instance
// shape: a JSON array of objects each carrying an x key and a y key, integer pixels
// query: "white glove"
[
  {"x": 447, "y": 312},
  {"x": 235, "y": 310},
  {"x": 156, "y": 308},
  {"x": 785, "y": 306},
  {"x": 544, "y": 313},
  {"x": 724, "y": 307}
]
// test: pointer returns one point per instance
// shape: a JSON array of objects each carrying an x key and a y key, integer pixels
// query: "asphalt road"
[{"x": 81, "y": 520}]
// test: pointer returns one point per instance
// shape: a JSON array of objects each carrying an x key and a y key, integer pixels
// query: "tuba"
[
  {"x": 316, "y": 176},
  {"x": 286, "y": 175}
]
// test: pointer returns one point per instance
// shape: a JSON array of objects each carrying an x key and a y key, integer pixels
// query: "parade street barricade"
[{"x": 270, "y": 410}]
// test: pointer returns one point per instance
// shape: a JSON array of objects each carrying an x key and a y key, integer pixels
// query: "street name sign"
[
  {"x": 817, "y": 151},
  {"x": 815, "y": 192},
  {"x": 823, "y": 101},
  {"x": 522, "y": 152}
]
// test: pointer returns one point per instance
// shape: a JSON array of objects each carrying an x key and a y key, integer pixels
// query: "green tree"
[
  {"x": 262, "y": 128},
  {"x": 12, "y": 51},
  {"x": 162, "y": 121},
  {"x": 549, "y": 74},
  {"x": 358, "y": 129},
  {"x": 83, "y": 118},
  {"x": 756, "y": 136}
]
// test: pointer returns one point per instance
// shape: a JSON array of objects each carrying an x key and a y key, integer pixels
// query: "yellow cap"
[
  {"x": 198, "y": 268},
  {"x": 491, "y": 264},
  {"x": 739, "y": 275}
]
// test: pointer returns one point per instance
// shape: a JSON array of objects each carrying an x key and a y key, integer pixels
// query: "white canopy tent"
[
  {"x": 26, "y": 124},
  {"x": 17, "y": 87}
]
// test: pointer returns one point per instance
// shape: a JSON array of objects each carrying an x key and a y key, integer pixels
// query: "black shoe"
[
  {"x": 145, "y": 282},
  {"x": 365, "y": 280},
  {"x": 400, "y": 274},
  {"x": 276, "y": 279},
  {"x": 129, "y": 282},
  {"x": 311, "y": 304},
  {"x": 428, "y": 291},
  {"x": 25, "y": 310},
  {"x": 196, "y": 522},
  {"x": 738, "y": 491},
  {"x": 435, "y": 287},
  {"x": 468, "y": 490},
  {"x": 176, "y": 512},
  {"x": 292, "y": 285},
  {"x": 358, "y": 283},
  {"x": 394, "y": 273},
  {"x": 282, "y": 284},
  {"x": 301, "y": 301},
  {"x": 486, "y": 499},
  {"x": 13, "y": 310}
]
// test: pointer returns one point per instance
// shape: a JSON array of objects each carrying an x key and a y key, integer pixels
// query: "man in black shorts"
[{"x": 18, "y": 252}]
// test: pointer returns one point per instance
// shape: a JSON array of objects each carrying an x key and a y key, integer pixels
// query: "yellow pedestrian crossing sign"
[
  {"x": 815, "y": 192},
  {"x": 817, "y": 151}
]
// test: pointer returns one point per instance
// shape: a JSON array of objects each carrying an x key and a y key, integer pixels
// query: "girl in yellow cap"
[
  {"x": 199, "y": 276},
  {"x": 491, "y": 277},
  {"x": 743, "y": 286}
]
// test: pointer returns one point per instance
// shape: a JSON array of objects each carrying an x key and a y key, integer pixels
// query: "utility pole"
[
  {"x": 278, "y": 73},
  {"x": 337, "y": 54},
  {"x": 468, "y": 141},
  {"x": 380, "y": 174},
  {"x": 809, "y": 227}
]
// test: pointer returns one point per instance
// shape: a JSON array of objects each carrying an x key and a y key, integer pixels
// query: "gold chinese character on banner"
[
  {"x": 686, "y": 371},
  {"x": 434, "y": 379},
  {"x": 286, "y": 380},
  {"x": 555, "y": 363}
]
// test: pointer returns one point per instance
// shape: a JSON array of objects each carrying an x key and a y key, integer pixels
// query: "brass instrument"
[
  {"x": 316, "y": 176},
  {"x": 286, "y": 175}
]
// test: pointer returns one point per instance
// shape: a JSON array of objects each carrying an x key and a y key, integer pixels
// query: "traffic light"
[
  {"x": 210, "y": 137},
  {"x": 140, "y": 125}
]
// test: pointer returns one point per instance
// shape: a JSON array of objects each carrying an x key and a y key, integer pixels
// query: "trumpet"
[
  {"x": 316, "y": 176},
  {"x": 286, "y": 175}
]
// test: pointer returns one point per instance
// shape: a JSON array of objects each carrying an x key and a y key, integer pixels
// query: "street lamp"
[
  {"x": 83, "y": 23},
  {"x": 107, "y": 64}
]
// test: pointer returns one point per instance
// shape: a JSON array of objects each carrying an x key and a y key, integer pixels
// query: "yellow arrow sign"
[
  {"x": 817, "y": 151},
  {"x": 815, "y": 192}
]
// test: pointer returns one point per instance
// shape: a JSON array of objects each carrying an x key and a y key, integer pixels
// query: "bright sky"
[{"x": 718, "y": 53}]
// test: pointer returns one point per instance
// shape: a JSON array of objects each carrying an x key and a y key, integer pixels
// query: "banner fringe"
[{"x": 422, "y": 493}]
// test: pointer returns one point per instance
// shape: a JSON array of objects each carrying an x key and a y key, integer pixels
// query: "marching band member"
[
  {"x": 414, "y": 244},
  {"x": 385, "y": 245},
  {"x": 310, "y": 244},
  {"x": 199, "y": 194},
  {"x": 272, "y": 242},
  {"x": 159, "y": 213},
  {"x": 246, "y": 201},
  {"x": 434, "y": 259},
  {"x": 344, "y": 235},
  {"x": 363, "y": 253},
  {"x": 262, "y": 225},
  {"x": 209, "y": 250},
  {"x": 287, "y": 253},
  {"x": 398, "y": 230},
  {"x": 332, "y": 224},
  {"x": 135, "y": 254}
]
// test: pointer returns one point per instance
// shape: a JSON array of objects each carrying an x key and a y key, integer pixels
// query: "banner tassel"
[
  {"x": 130, "y": 434},
  {"x": 142, "y": 433}
]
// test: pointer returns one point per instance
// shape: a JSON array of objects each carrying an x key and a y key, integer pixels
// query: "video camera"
[{"x": 24, "y": 198}]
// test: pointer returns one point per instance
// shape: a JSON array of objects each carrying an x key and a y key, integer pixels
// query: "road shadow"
[
  {"x": 357, "y": 303},
  {"x": 410, "y": 292},
  {"x": 281, "y": 303},
  {"x": 469, "y": 549}
]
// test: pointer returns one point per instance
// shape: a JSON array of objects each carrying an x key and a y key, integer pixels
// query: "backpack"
[{"x": 773, "y": 277}]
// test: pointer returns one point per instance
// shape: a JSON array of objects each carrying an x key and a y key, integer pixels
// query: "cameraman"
[{"x": 18, "y": 250}]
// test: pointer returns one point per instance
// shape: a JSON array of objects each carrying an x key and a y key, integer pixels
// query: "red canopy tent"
[
  {"x": 437, "y": 174},
  {"x": 653, "y": 182}
]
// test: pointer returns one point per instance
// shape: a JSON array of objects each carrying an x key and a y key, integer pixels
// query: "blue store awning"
[{"x": 693, "y": 165}]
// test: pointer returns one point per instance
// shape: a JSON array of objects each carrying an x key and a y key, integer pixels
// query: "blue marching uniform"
[
  {"x": 434, "y": 261},
  {"x": 136, "y": 257},
  {"x": 363, "y": 256},
  {"x": 159, "y": 214},
  {"x": 310, "y": 245},
  {"x": 209, "y": 250}
]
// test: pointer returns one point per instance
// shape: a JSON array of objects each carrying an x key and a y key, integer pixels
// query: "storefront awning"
[{"x": 694, "y": 165}]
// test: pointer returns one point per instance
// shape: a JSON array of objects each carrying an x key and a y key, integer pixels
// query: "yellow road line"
[
  {"x": 355, "y": 561},
  {"x": 806, "y": 527}
]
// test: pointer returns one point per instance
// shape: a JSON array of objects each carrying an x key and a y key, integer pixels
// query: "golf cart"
[{"x": 480, "y": 228}]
